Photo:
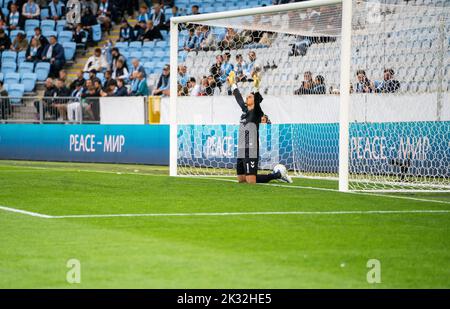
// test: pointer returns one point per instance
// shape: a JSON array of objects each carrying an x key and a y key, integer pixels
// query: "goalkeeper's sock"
[{"x": 268, "y": 177}]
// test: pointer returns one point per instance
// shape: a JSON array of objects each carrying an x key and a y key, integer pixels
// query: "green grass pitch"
[{"x": 295, "y": 237}]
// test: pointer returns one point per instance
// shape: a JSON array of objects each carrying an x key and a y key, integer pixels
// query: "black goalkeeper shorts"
[{"x": 247, "y": 166}]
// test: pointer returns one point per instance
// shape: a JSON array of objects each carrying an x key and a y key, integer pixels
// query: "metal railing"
[{"x": 41, "y": 110}]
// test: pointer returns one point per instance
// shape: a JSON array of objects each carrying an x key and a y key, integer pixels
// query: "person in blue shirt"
[
  {"x": 142, "y": 88},
  {"x": 226, "y": 67},
  {"x": 57, "y": 10}
]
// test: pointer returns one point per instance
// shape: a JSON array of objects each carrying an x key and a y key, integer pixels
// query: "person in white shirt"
[
  {"x": 194, "y": 88},
  {"x": 96, "y": 62},
  {"x": 31, "y": 10}
]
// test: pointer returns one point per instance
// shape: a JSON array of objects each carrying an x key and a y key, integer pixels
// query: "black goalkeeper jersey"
[{"x": 249, "y": 116}]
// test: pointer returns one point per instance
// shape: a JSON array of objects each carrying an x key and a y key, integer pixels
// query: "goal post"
[
  {"x": 357, "y": 92},
  {"x": 175, "y": 21}
]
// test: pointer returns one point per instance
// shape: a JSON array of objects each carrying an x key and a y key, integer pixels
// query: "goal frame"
[{"x": 345, "y": 60}]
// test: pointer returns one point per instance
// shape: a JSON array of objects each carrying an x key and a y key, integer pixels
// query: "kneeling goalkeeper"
[{"x": 248, "y": 144}]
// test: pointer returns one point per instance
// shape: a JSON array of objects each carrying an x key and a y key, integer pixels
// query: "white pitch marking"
[
  {"x": 345, "y": 212},
  {"x": 24, "y": 212},
  {"x": 334, "y": 190}
]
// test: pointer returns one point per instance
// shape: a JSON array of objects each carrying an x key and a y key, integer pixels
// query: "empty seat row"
[
  {"x": 26, "y": 79},
  {"x": 41, "y": 69}
]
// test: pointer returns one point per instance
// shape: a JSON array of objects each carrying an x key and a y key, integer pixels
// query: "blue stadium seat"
[
  {"x": 100, "y": 76},
  {"x": 49, "y": 33},
  {"x": 29, "y": 34},
  {"x": 44, "y": 13},
  {"x": 26, "y": 67},
  {"x": 60, "y": 24},
  {"x": 30, "y": 24},
  {"x": 8, "y": 67},
  {"x": 135, "y": 46},
  {"x": 69, "y": 50},
  {"x": 122, "y": 46},
  {"x": 96, "y": 33},
  {"x": 160, "y": 54},
  {"x": 15, "y": 92},
  {"x": 148, "y": 67},
  {"x": 47, "y": 25},
  {"x": 1, "y": 76},
  {"x": 21, "y": 56},
  {"x": 64, "y": 36},
  {"x": 163, "y": 44},
  {"x": 9, "y": 56},
  {"x": 11, "y": 78},
  {"x": 145, "y": 58},
  {"x": 148, "y": 46},
  {"x": 136, "y": 54},
  {"x": 42, "y": 69},
  {"x": 29, "y": 81}
]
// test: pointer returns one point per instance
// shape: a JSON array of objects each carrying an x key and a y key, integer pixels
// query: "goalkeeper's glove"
[
  {"x": 256, "y": 81},
  {"x": 231, "y": 78}
]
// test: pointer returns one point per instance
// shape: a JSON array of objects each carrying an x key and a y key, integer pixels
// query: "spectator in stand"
[
  {"x": 79, "y": 80},
  {"x": 3, "y": 24},
  {"x": 251, "y": 65},
  {"x": 195, "y": 10},
  {"x": 215, "y": 69},
  {"x": 319, "y": 85},
  {"x": 57, "y": 10},
  {"x": 47, "y": 101},
  {"x": 96, "y": 62},
  {"x": 93, "y": 76},
  {"x": 163, "y": 86},
  {"x": 92, "y": 6},
  {"x": 126, "y": 33},
  {"x": 107, "y": 79},
  {"x": 144, "y": 15},
  {"x": 92, "y": 106},
  {"x": 225, "y": 68},
  {"x": 34, "y": 51},
  {"x": 142, "y": 88},
  {"x": 388, "y": 84},
  {"x": 151, "y": 33},
  {"x": 31, "y": 10},
  {"x": 190, "y": 42},
  {"x": 166, "y": 24},
  {"x": 5, "y": 107},
  {"x": 120, "y": 71},
  {"x": 194, "y": 89},
  {"x": 209, "y": 86},
  {"x": 363, "y": 85},
  {"x": 14, "y": 18},
  {"x": 80, "y": 36},
  {"x": 183, "y": 77},
  {"x": 5, "y": 41},
  {"x": 105, "y": 14},
  {"x": 207, "y": 42},
  {"x": 139, "y": 30},
  {"x": 121, "y": 90},
  {"x": 116, "y": 55},
  {"x": 88, "y": 20},
  {"x": 54, "y": 53},
  {"x": 60, "y": 105},
  {"x": 20, "y": 43},
  {"x": 239, "y": 68},
  {"x": 200, "y": 37},
  {"x": 158, "y": 17},
  {"x": 307, "y": 84},
  {"x": 62, "y": 75},
  {"x": 74, "y": 108},
  {"x": 38, "y": 36},
  {"x": 136, "y": 66}
]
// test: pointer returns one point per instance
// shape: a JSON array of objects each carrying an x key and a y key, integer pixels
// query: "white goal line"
[{"x": 250, "y": 213}]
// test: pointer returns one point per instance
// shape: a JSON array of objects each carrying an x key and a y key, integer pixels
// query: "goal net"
[{"x": 373, "y": 115}]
